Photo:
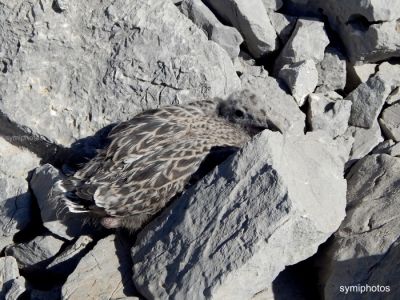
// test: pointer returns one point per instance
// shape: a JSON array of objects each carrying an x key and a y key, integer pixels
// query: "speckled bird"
[{"x": 152, "y": 157}]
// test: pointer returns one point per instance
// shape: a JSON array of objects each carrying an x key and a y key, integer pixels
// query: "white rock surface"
[
  {"x": 365, "y": 249},
  {"x": 15, "y": 198},
  {"x": 75, "y": 72},
  {"x": 35, "y": 254},
  {"x": 282, "y": 109},
  {"x": 104, "y": 273},
  {"x": 55, "y": 217},
  {"x": 250, "y": 17},
  {"x": 308, "y": 41},
  {"x": 227, "y": 37},
  {"x": 390, "y": 122},
  {"x": 332, "y": 71},
  {"x": 283, "y": 25},
  {"x": 365, "y": 140},
  {"x": 329, "y": 113},
  {"x": 230, "y": 235},
  {"x": 368, "y": 98},
  {"x": 301, "y": 78},
  {"x": 8, "y": 272}
]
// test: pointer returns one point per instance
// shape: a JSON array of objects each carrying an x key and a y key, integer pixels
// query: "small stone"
[
  {"x": 329, "y": 113},
  {"x": 250, "y": 17},
  {"x": 35, "y": 255},
  {"x": 301, "y": 78},
  {"x": 227, "y": 37},
  {"x": 301, "y": 46},
  {"x": 331, "y": 71},
  {"x": 390, "y": 122},
  {"x": 244, "y": 222},
  {"x": 103, "y": 273}
]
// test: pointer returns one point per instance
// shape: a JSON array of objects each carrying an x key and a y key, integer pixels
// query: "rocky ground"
[{"x": 307, "y": 210}]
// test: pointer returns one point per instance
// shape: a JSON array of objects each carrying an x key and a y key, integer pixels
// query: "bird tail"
[{"x": 65, "y": 191}]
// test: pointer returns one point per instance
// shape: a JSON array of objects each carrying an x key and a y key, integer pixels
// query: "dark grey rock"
[{"x": 331, "y": 71}]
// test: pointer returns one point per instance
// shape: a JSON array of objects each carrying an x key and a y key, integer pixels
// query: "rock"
[
  {"x": 365, "y": 140},
  {"x": 104, "y": 273},
  {"x": 368, "y": 29},
  {"x": 329, "y": 113},
  {"x": 15, "y": 198},
  {"x": 358, "y": 74},
  {"x": 17, "y": 289},
  {"x": 301, "y": 47},
  {"x": 365, "y": 249},
  {"x": 54, "y": 216},
  {"x": 62, "y": 5},
  {"x": 36, "y": 254},
  {"x": 230, "y": 235},
  {"x": 394, "y": 96},
  {"x": 301, "y": 78},
  {"x": 285, "y": 115},
  {"x": 368, "y": 98},
  {"x": 8, "y": 273},
  {"x": 250, "y": 17},
  {"x": 273, "y": 5},
  {"x": 66, "y": 261},
  {"x": 227, "y": 37},
  {"x": 332, "y": 71},
  {"x": 387, "y": 147},
  {"x": 95, "y": 57},
  {"x": 283, "y": 25},
  {"x": 390, "y": 122}
]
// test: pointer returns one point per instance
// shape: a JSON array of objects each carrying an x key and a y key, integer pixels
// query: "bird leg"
[{"x": 111, "y": 222}]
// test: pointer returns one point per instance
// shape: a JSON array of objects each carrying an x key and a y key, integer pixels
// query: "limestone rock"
[
  {"x": 283, "y": 25},
  {"x": 250, "y": 17},
  {"x": 55, "y": 218},
  {"x": 329, "y": 113},
  {"x": 229, "y": 236},
  {"x": 308, "y": 41},
  {"x": 104, "y": 273},
  {"x": 365, "y": 249},
  {"x": 227, "y": 37},
  {"x": 285, "y": 115},
  {"x": 301, "y": 78},
  {"x": 365, "y": 140},
  {"x": 8, "y": 273},
  {"x": 35, "y": 254},
  {"x": 368, "y": 98},
  {"x": 66, "y": 75},
  {"x": 15, "y": 198},
  {"x": 390, "y": 122},
  {"x": 331, "y": 71}
]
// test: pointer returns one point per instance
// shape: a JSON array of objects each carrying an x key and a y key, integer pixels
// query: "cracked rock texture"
[
  {"x": 365, "y": 249},
  {"x": 256, "y": 218}
]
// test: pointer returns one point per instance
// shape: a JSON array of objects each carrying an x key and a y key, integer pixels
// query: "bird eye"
[{"x": 239, "y": 113}]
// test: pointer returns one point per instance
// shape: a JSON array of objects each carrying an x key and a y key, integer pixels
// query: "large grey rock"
[
  {"x": 368, "y": 98},
  {"x": 329, "y": 113},
  {"x": 250, "y": 17},
  {"x": 365, "y": 249},
  {"x": 8, "y": 273},
  {"x": 331, "y": 71},
  {"x": 301, "y": 78},
  {"x": 104, "y": 273},
  {"x": 227, "y": 37},
  {"x": 91, "y": 65},
  {"x": 15, "y": 198},
  {"x": 229, "y": 236},
  {"x": 390, "y": 122},
  {"x": 55, "y": 217},
  {"x": 283, "y": 25},
  {"x": 369, "y": 29},
  {"x": 308, "y": 41},
  {"x": 365, "y": 140},
  {"x": 283, "y": 112},
  {"x": 35, "y": 254}
]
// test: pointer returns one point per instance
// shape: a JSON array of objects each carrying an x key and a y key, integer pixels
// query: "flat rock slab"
[
  {"x": 230, "y": 235},
  {"x": 103, "y": 273},
  {"x": 365, "y": 249},
  {"x": 15, "y": 198},
  {"x": 250, "y": 17},
  {"x": 66, "y": 73}
]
